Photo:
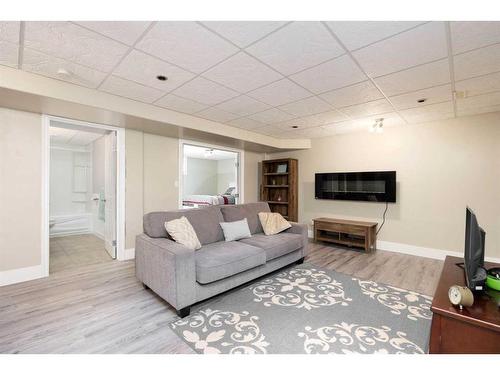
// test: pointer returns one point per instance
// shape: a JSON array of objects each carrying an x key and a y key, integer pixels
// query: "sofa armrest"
[
  {"x": 302, "y": 230},
  {"x": 168, "y": 268}
]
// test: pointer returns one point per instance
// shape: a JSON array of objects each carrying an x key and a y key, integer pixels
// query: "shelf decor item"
[
  {"x": 282, "y": 168},
  {"x": 279, "y": 186}
]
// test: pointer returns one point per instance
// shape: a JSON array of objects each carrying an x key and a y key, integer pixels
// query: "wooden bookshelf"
[{"x": 280, "y": 188}]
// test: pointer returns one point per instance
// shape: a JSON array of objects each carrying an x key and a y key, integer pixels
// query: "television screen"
[
  {"x": 474, "y": 252},
  {"x": 357, "y": 186}
]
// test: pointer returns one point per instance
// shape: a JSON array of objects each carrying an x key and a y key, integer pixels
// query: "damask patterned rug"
[{"x": 305, "y": 309}]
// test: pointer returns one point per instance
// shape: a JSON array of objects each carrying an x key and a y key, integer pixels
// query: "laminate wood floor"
[{"x": 102, "y": 308}]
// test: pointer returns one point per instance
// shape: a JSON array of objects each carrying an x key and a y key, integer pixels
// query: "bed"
[{"x": 208, "y": 200}]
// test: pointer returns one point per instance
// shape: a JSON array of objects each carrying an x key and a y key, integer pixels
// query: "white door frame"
[
  {"x": 120, "y": 185},
  {"x": 241, "y": 164}
]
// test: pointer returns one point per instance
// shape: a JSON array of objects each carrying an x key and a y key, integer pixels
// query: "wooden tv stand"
[
  {"x": 474, "y": 329},
  {"x": 346, "y": 232}
]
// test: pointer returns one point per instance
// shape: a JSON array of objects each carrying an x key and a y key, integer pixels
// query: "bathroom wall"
[{"x": 98, "y": 178}]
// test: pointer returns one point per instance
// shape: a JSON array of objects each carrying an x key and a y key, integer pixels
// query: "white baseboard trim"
[
  {"x": 129, "y": 254},
  {"x": 20, "y": 275},
  {"x": 426, "y": 252}
]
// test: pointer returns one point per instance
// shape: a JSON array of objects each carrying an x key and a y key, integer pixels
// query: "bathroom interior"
[{"x": 82, "y": 192}]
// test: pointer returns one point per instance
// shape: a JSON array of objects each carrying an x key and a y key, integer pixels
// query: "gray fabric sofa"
[{"x": 183, "y": 277}]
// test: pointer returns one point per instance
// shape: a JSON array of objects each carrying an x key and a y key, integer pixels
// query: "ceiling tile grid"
[
  {"x": 242, "y": 73},
  {"x": 297, "y": 46},
  {"x": 74, "y": 43},
  {"x": 186, "y": 44},
  {"x": 417, "y": 46},
  {"x": 324, "y": 77},
  {"x": 50, "y": 66}
]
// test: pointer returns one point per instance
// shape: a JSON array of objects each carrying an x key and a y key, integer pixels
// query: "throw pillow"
[
  {"x": 273, "y": 222},
  {"x": 236, "y": 230},
  {"x": 183, "y": 232}
]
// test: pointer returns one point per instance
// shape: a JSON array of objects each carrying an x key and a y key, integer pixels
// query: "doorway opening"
[
  {"x": 84, "y": 201},
  {"x": 209, "y": 175}
]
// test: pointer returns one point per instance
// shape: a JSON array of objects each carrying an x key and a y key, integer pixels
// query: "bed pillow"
[
  {"x": 236, "y": 230},
  {"x": 273, "y": 223},
  {"x": 229, "y": 191},
  {"x": 183, "y": 232}
]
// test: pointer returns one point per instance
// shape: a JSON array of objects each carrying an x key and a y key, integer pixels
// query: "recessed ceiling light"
[
  {"x": 423, "y": 100},
  {"x": 161, "y": 78},
  {"x": 295, "y": 127}
]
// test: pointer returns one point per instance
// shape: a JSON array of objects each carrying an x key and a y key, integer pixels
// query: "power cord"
[{"x": 383, "y": 217}]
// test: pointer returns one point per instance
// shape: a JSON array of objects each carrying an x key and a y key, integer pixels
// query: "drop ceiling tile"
[
  {"x": 420, "y": 77},
  {"x": 243, "y": 106},
  {"x": 9, "y": 31},
  {"x": 431, "y": 112},
  {"x": 297, "y": 46},
  {"x": 330, "y": 75},
  {"x": 300, "y": 123},
  {"x": 326, "y": 118},
  {"x": 8, "y": 54},
  {"x": 280, "y": 92},
  {"x": 272, "y": 115},
  {"x": 123, "y": 31},
  {"x": 242, "y": 73},
  {"x": 305, "y": 107},
  {"x": 316, "y": 132},
  {"x": 357, "y": 34},
  {"x": 216, "y": 114},
  {"x": 177, "y": 103},
  {"x": 243, "y": 33},
  {"x": 204, "y": 91},
  {"x": 40, "y": 63},
  {"x": 74, "y": 43},
  {"x": 346, "y": 127},
  {"x": 355, "y": 94},
  {"x": 142, "y": 68},
  {"x": 479, "y": 85},
  {"x": 432, "y": 95},
  {"x": 467, "y": 35},
  {"x": 478, "y": 110},
  {"x": 420, "y": 45},
  {"x": 269, "y": 130},
  {"x": 389, "y": 119},
  {"x": 478, "y": 62},
  {"x": 186, "y": 44},
  {"x": 474, "y": 102},
  {"x": 245, "y": 123},
  {"x": 131, "y": 90},
  {"x": 366, "y": 109}
]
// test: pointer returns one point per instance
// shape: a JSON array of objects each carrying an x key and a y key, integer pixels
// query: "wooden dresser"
[
  {"x": 346, "y": 232},
  {"x": 474, "y": 329}
]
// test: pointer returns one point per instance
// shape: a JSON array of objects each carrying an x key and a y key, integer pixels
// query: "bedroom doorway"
[{"x": 209, "y": 175}]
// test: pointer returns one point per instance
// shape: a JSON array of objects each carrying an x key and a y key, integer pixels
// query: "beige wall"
[
  {"x": 20, "y": 189},
  {"x": 252, "y": 165},
  {"x": 441, "y": 167},
  {"x": 201, "y": 177},
  {"x": 152, "y": 173}
]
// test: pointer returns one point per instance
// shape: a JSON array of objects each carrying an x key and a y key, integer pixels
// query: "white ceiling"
[
  {"x": 198, "y": 152},
  {"x": 62, "y": 134},
  {"x": 323, "y": 77}
]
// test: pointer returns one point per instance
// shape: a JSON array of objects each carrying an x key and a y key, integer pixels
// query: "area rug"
[{"x": 306, "y": 309}]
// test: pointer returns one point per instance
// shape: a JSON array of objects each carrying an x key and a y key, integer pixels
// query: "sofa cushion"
[
  {"x": 275, "y": 245},
  {"x": 219, "y": 260},
  {"x": 205, "y": 222},
  {"x": 250, "y": 211}
]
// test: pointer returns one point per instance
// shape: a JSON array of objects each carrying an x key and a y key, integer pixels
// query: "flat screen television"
[
  {"x": 475, "y": 274},
  {"x": 356, "y": 186}
]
